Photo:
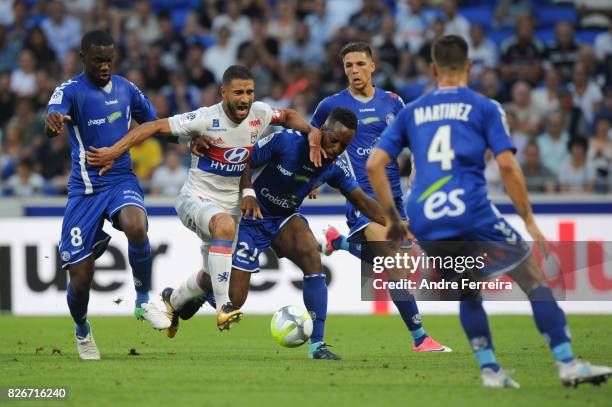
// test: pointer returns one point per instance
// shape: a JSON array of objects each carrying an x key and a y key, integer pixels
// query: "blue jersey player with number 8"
[
  {"x": 448, "y": 131},
  {"x": 96, "y": 108}
]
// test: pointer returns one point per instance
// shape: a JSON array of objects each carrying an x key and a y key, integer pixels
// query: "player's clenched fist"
[{"x": 55, "y": 122}]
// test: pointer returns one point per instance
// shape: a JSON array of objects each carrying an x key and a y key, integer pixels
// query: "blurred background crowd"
[{"x": 549, "y": 63}]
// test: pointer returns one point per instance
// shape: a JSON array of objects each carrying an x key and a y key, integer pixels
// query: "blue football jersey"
[
  {"x": 374, "y": 116},
  {"x": 100, "y": 117},
  {"x": 286, "y": 175},
  {"x": 448, "y": 131}
]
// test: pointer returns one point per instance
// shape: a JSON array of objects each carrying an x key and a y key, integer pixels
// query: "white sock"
[
  {"x": 187, "y": 290},
  {"x": 220, "y": 268}
]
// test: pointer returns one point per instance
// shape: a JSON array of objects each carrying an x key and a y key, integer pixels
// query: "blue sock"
[
  {"x": 341, "y": 243},
  {"x": 406, "y": 305},
  {"x": 315, "y": 299},
  {"x": 476, "y": 326},
  {"x": 210, "y": 298},
  {"x": 141, "y": 260},
  {"x": 77, "y": 303},
  {"x": 550, "y": 320}
]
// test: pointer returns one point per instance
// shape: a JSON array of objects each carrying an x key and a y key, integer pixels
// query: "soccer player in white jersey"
[{"x": 209, "y": 203}]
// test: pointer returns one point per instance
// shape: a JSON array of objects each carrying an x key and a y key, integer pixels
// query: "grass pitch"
[{"x": 246, "y": 367}]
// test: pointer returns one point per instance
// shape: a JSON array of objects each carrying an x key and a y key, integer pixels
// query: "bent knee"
[{"x": 222, "y": 226}]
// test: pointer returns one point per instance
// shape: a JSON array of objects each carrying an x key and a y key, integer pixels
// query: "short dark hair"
[
  {"x": 356, "y": 47},
  {"x": 239, "y": 72},
  {"x": 577, "y": 141},
  {"x": 344, "y": 117},
  {"x": 450, "y": 52},
  {"x": 96, "y": 38}
]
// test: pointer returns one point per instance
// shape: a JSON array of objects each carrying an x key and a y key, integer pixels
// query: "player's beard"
[{"x": 233, "y": 109}]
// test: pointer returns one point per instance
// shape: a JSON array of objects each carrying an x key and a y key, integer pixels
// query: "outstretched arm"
[
  {"x": 378, "y": 178},
  {"x": 101, "y": 157},
  {"x": 367, "y": 206}
]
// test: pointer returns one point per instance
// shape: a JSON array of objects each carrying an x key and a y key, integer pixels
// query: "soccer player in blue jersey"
[
  {"x": 375, "y": 109},
  {"x": 96, "y": 108},
  {"x": 448, "y": 131}
]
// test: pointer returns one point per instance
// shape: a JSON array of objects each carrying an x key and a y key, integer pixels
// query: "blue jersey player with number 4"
[
  {"x": 96, "y": 108},
  {"x": 448, "y": 131},
  {"x": 375, "y": 109}
]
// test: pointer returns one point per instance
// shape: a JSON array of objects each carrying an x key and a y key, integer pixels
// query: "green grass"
[{"x": 246, "y": 367}]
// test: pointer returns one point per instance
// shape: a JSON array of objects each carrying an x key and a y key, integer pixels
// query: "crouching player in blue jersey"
[
  {"x": 97, "y": 108},
  {"x": 285, "y": 177},
  {"x": 448, "y": 131},
  {"x": 375, "y": 109}
]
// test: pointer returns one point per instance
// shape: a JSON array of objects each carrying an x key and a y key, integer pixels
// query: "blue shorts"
[
  {"x": 255, "y": 237},
  {"x": 82, "y": 233},
  {"x": 503, "y": 248},
  {"x": 357, "y": 222}
]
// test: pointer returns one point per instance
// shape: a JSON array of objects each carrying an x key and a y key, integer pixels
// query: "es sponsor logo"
[
  {"x": 96, "y": 122},
  {"x": 236, "y": 155}
]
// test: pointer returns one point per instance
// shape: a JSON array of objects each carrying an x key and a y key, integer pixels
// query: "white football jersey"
[{"x": 216, "y": 175}]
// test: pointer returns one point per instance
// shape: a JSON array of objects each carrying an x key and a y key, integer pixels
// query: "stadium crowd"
[{"x": 548, "y": 63}]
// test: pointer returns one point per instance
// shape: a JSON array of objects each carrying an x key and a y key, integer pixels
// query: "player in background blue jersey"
[
  {"x": 96, "y": 108},
  {"x": 375, "y": 109},
  {"x": 448, "y": 131}
]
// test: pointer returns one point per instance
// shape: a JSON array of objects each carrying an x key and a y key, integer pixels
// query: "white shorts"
[{"x": 196, "y": 212}]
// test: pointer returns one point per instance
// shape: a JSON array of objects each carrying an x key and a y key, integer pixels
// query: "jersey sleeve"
[
  {"x": 269, "y": 115},
  {"x": 186, "y": 125},
  {"x": 142, "y": 109},
  {"x": 496, "y": 129},
  {"x": 341, "y": 178},
  {"x": 264, "y": 149},
  {"x": 321, "y": 112},
  {"x": 61, "y": 100},
  {"x": 395, "y": 137}
]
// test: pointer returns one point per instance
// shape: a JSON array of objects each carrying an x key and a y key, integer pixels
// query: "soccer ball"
[{"x": 291, "y": 326}]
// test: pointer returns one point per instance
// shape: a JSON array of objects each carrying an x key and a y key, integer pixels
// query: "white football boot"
[
  {"x": 88, "y": 350},
  {"x": 156, "y": 317},
  {"x": 498, "y": 379},
  {"x": 579, "y": 371}
]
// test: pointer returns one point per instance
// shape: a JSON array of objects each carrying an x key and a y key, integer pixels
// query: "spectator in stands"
[
  {"x": 546, "y": 98},
  {"x": 22, "y": 22},
  {"x": 168, "y": 179},
  {"x": 574, "y": 122},
  {"x": 587, "y": 95},
  {"x": 30, "y": 124},
  {"x": 156, "y": 75},
  {"x": 600, "y": 154},
  {"x": 302, "y": 48},
  {"x": 522, "y": 55},
  {"x": 196, "y": 73},
  {"x": 7, "y": 99},
  {"x": 520, "y": 139},
  {"x": 593, "y": 13},
  {"x": 576, "y": 173},
  {"x": 146, "y": 157},
  {"x": 131, "y": 53},
  {"x": 528, "y": 117},
  {"x": 412, "y": 23},
  {"x": 11, "y": 151},
  {"x": 603, "y": 45},
  {"x": 43, "y": 54},
  {"x": 182, "y": 96},
  {"x": 143, "y": 23},
  {"x": 277, "y": 98},
  {"x": 54, "y": 159},
  {"x": 45, "y": 86},
  {"x": 221, "y": 55},
  {"x": 284, "y": 20},
  {"x": 454, "y": 23},
  {"x": 390, "y": 46},
  {"x": 368, "y": 20},
  {"x": 193, "y": 32},
  {"x": 23, "y": 79},
  {"x": 483, "y": 52},
  {"x": 606, "y": 111},
  {"x": 173, "y": 46},
  {"x": 71, "y": 65},
  {"x": 240, "y": 24},
  {"x": 509, "y": 12},
  {"x": 491, "y": 87},
  {"x": 63, "y": 32},
  {"x": 563, "y": 53},
  {"x": 553, "y": 144},
  {"x": 320, "y": 24},
  {"x": 495, "y": 183},
  {"x": 537, "y": 177},
  {"x": 9, "y": 49},
  {"x": 25, "y": 182}
]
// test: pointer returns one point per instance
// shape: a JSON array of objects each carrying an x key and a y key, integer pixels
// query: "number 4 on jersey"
[{"x": 440, "y": 148}]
